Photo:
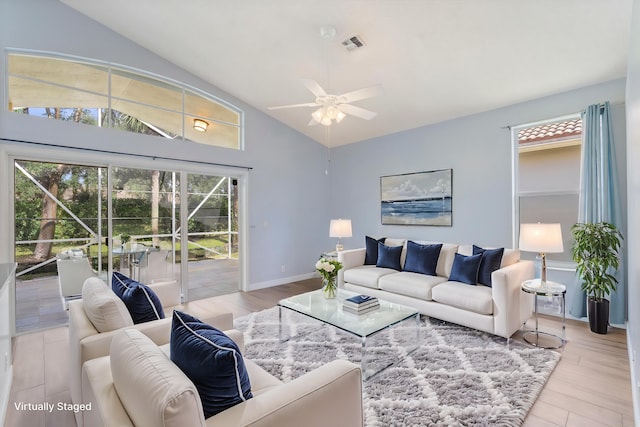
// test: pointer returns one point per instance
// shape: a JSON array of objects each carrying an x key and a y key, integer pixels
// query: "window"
[
  {"x": 101, "y": 94},
  {"x": 548, "y": 176}
]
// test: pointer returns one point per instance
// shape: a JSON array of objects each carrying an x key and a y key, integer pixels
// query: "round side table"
[{"x": 551, "y": 289}]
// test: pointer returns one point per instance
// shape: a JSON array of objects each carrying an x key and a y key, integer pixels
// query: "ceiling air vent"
[{"x": 353, "y": 42}]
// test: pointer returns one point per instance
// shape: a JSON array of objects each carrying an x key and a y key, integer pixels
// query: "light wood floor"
[{"x": 590, "y": 386}]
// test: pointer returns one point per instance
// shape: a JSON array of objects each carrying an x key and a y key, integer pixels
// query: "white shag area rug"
[{"x": 456, "y": 377}]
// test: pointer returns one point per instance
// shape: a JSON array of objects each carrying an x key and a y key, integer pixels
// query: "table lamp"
[
  {"x": 541, "y": 238},
  {"x": 340, "y": 228}
]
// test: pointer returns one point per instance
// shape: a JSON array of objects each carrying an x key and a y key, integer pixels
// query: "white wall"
[
  {"x": 633, "y": 197},
  {"x": 286, "y": 164}
]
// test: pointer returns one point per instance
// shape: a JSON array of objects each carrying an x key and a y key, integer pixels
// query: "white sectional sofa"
[
  {"x": 499, "y": 309},
  {"x": 88, "y": 340},
  {"x": 150, "y": 390}
]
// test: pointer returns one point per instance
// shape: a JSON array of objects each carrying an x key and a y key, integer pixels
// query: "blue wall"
[
  {"x": 290, "y": 198},
  {"x": 479, "y": 150},
  {"x": 288, "y": 168}
]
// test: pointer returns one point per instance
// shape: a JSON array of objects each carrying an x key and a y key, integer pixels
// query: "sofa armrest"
[
  {"x": 99, "y": 390},
  {"x": 168, "y": 292},
  {"x": 80, "y": 327},
  {"x": 208, "y": 311},
  {"x": 237, "y": 337},
  {"x": 98, "y": 345},
  {"x": 510, "y": 307},
  {"x": 330, "y": 395},
  {"x": 350, "y": 258}
]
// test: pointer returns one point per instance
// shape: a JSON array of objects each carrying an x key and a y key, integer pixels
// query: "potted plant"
[{"x": 595, "y": 252}]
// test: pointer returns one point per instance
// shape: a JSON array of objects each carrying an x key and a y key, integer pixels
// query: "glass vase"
[{"x": 329, "y": 288}]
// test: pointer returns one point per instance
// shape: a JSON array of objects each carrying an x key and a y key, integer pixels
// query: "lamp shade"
[
  {"x": 543, "y": 238},
  {"x": 340, "y": 228}
]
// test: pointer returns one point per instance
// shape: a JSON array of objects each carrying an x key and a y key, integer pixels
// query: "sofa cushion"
[
  {"x": 415, "y": 285},
  {"x": 366, "y": 275},
  {"x": 477, "y": 299},
  {"x": 422, "y": 258},
  {"x": 465, "y": 268},
  {"x": 394, "y": 242},
  {"x": 389, "y": 256},
  {"x": 104, "y": 309},
  {"x": 371, "y": 255},
  {"x": 491, "y": 260},
  {"x": 212, "y": 361},
  {"x": 510, "y": 256},
  {"x": 153, "y": 390},
  {"x": 143, "y": 304}
]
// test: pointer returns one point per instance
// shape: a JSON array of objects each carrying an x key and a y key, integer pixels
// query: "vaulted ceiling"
[{"x": 434, "y": 59}]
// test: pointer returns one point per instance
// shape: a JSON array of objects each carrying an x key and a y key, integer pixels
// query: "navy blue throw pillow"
[
  {"x": 422, "y": 258},
  {"x": 143, "y": 304},
  {"x": 211, "y": 360},
  {"x": 465, "y": 268},
  {"x": 491, "y": 260},
  {"x": 371, "y": 256},
  {"x": 389, "y": 256}
]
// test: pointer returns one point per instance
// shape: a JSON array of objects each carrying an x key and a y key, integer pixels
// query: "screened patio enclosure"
[{"x": 141, "y": 222}]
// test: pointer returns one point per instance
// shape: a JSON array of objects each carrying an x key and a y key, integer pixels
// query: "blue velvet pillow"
[
  {"x": 491, "y": 260},
  {"x": 422, "y": 258},
  {"x": 371, "y": 256},
  {"x": 211, "y": 360},
  {"x": 389, "y": 256},
  {"x": 143, "y": 304},
  {"x": 465, "y": 268}
]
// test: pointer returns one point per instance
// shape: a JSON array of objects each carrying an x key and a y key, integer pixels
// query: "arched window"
[{"x": 102, "y": 94}]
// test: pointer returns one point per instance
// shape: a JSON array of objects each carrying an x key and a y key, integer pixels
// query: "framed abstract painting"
[{"x": 421, "y": 198}]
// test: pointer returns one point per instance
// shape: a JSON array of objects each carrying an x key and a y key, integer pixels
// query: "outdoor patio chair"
[{"x": 73, "y": 269}]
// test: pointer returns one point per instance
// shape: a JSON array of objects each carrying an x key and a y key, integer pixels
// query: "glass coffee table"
[{"x": 315, "y": 305}]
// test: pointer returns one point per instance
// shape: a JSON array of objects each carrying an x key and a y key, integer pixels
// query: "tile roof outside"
[{"x": 550, "y": 132}]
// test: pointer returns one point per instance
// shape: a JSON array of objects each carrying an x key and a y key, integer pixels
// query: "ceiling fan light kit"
[
  {"x": 325, "y": 115},
  {"x": 334, "y": 107}
]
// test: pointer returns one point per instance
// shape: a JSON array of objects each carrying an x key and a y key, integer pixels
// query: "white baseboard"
[
  {"x": 635, "y": 393},
  {"x": 280, "y": 281}
]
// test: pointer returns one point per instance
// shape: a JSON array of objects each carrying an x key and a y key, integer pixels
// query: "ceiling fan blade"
[
  {"x": 356, "y": 95},
  {"x": 307, "y": 104},
  {"x": 314, "y": 87},
  {"x": 356, "y": 111},
  {"x": 312, "y": 122}
]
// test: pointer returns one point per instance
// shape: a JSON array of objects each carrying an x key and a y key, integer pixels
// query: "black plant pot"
[{"x": 598, "y": 311}]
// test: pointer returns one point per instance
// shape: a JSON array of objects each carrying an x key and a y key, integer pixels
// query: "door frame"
[{"x": 9, "y": 153}]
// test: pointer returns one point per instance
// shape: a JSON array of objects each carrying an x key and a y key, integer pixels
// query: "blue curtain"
[{"x": 600, "y": 197}]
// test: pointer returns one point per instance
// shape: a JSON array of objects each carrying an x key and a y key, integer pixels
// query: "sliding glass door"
[
  {"x": 149, "y": 224},
  {"x": 58, "y": 207},
  {"x": 211, "y": 238}
]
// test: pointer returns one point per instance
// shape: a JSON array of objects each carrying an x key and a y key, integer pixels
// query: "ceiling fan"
[{"x": 334, "y": 107}]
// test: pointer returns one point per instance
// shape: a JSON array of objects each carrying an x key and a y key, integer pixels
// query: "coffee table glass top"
[{"x": 314, "y": 304}]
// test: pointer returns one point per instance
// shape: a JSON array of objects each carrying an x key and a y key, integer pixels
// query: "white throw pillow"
[{"x": 106, "y": 311}]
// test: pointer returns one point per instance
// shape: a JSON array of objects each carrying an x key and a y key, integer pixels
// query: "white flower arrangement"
[{"x": 328, "y": 269}]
